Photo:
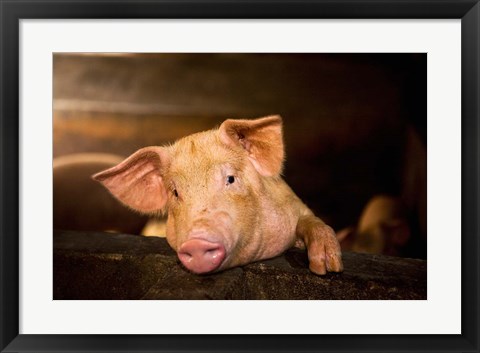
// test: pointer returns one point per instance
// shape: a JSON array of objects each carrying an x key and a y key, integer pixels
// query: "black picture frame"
[{"x": 13, "y": 11}]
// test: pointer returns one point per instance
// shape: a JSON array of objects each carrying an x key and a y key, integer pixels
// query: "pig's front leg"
[{"x": 323, "y": 249}]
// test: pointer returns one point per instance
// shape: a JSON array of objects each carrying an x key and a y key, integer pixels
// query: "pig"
[
  {"x": 383, "y": 228},
  {"x": 396, "y": 225},
  {"x": 226, "y": 202}
]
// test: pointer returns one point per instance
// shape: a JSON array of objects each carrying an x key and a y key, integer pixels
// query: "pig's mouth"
[{"x": 201, "y": 256}]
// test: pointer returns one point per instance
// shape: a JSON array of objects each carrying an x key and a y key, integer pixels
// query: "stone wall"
[{"x": 120, "y": 266}]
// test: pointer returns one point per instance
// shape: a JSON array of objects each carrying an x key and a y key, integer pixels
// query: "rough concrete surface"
[{"x": 119, "y": 266}]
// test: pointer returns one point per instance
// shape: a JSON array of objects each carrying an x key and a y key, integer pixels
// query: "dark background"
[{"x": 354, "y": 124}]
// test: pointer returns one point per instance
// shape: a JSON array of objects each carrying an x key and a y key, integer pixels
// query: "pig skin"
[{"x": 222, "y": 190}]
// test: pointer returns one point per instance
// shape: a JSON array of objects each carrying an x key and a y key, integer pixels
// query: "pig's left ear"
[{"x": 260, "y": 138}]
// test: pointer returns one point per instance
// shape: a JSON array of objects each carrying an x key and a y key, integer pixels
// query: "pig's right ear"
[
  {"x": 137, "y": 181},
  {"x": 260, "y": 138}
]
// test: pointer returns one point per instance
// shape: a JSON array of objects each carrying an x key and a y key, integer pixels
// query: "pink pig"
[{"x": 226, "y": 201}]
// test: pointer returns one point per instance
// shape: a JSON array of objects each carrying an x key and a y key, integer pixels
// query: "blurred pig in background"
[
  {"x": 383, "y": 228},
  {"x": 395, "y": 226}
]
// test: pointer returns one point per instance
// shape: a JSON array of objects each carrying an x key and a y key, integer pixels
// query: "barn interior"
[{"x": 355, "y": 130}]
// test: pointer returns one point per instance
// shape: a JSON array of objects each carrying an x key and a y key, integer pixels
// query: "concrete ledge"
[{"x": 120, "y": 266}]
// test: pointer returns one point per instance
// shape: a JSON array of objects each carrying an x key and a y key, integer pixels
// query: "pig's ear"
[
  {"x": 261, "y": 139},
  {"x": 345, "y": 233},
  {"x": 137, "y": 181},
  {"x": 346, "y": 238}
]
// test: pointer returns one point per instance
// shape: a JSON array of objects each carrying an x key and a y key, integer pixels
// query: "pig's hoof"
[
  {"x": 331, "y": 263},
  {"x": 324, "y": 253}
]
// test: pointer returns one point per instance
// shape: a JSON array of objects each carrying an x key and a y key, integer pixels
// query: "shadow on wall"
[{"x": 354, "y": 124}]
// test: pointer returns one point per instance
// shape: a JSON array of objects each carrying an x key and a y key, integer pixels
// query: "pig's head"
[
  {"x": 387, "y": 237},
  {"x": 210, "y": 184}
]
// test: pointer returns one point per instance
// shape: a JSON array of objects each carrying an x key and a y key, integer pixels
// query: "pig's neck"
[{"x": 278, "y": 218}]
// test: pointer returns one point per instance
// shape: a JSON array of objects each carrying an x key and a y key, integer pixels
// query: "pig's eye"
[
  {"x": 175, "y": 192},
  {"x": 230, "y": 179}
]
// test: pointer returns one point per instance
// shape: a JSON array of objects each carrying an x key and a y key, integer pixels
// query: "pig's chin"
[{"x": 202, "y": 256}]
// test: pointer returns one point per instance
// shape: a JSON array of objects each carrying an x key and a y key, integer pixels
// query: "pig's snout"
[{"x": 200, "y": 255}]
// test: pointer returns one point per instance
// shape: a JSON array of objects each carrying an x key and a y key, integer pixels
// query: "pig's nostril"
[
  {"x": 213, "y": 253},
  {"x": 185, "y": 257}
]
